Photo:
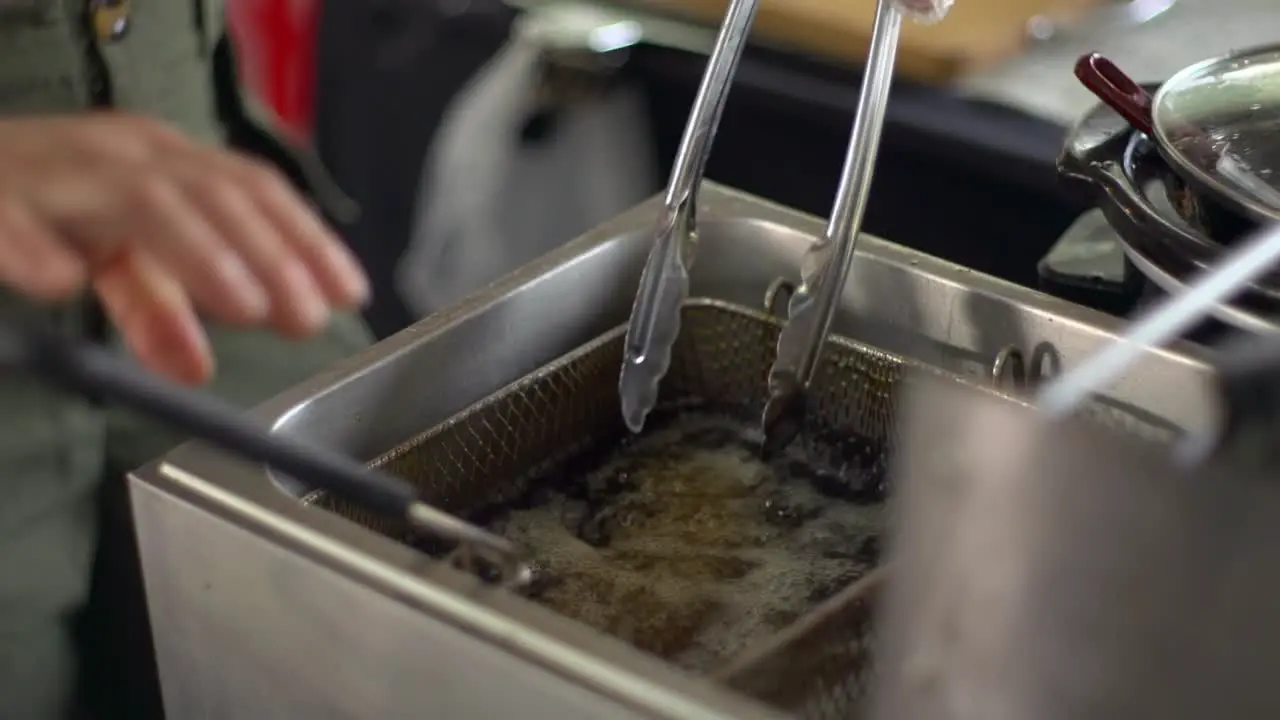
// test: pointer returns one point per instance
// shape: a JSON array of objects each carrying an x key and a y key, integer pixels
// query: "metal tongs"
[
  {"x": 826, "y": 265},
  {"x": 664, "y": 285}
]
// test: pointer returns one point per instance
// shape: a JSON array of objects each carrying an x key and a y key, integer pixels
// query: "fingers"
[
  {"x": 305, "y": 268},
  {"x": 147, "y": 305},
  {"x": 168, "y": 224},
  {"x": 231, "y": 232},
  {"x": 150, "y": 309},
  {"x": 337, "y": 272},
  {"x": 124, "y": 138},
  {"x": 247, "y": 248},
  {"x": 100, "y": 213},
  {"x": 299, "y": 307},
  {"x": 33, "y": 260}
]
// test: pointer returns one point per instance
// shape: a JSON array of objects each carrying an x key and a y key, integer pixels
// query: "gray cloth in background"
[{"x": 492, "y": 203}]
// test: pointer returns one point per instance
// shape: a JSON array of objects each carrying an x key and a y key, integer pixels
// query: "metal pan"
[
  {"x": 1121, "y": 171},
  {"x": 1212, "y": 222},
  {"x": 1116, "y": 585},
  {"x": 1214, "y": 123}
]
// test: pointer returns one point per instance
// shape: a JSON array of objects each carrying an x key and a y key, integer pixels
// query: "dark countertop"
[
  {"x": 989, "y": 137},
  {"x": 966, "y": 180}
]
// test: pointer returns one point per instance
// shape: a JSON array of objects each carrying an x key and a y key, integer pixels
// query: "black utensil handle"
[{"x": 91, "y": 369}]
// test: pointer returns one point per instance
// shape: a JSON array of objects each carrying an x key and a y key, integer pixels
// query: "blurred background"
[{"x": 476, "y": 134}]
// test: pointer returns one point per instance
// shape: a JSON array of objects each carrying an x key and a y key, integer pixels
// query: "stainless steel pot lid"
[{"x": 1217, "y": 123}]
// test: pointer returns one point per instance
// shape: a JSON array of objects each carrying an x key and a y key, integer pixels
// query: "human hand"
[{"x": 161, "y": 228}]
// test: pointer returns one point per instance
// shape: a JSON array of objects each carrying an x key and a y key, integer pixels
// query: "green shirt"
[
  {"x": 55, "y": 58},
  {"x": 52, "y": 59}
]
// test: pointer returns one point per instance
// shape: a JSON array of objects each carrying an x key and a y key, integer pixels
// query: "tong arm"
[
  {"x": 826, "y": 264},
  {"x": 664, "y": 284}
]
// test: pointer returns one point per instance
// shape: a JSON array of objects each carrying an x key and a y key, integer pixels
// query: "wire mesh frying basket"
[
  {"x": 821, "y": 667},
  {"x": 817, "y": 666}
]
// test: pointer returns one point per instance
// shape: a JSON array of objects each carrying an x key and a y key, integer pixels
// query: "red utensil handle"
[{"x": 1117, "y": 90}]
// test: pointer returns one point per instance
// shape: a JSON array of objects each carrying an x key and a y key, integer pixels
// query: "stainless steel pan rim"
[
  {"x": 1165, "y": 120},
  {"x": 1117, "y": 167},
  {"x": 1232, "y": 315}
]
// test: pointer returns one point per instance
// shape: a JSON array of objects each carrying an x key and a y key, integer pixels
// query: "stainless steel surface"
[
  {"x": 1229, "y": 313},
  {"x": 664, "y": 284},
  {"x": 826, "y": 266},
  {"x": 245, "y": 583},
  {"x": 1164, "y": 322},
  {"x": 1046, "y": 570},
  {"x": 1215, "y": 123},
  {"x": 569, "y": 407},
  {"x": 560, "y": 409},
  {"x": 475, "y": 550},
  {"x": 1010, "y": 370},
  {"x": 1139, "y": 216},
  {"x": 272, "y": 629}
]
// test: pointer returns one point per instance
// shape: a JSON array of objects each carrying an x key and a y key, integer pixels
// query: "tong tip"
[
  {"x": 781, "y": 421},
  {"x": 638, "y": 392}
]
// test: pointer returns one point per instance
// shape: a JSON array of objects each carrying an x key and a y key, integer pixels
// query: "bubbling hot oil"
[{"x": 685, "y": 544}]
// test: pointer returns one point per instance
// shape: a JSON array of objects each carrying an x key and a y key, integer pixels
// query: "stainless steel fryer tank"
[
  {"x": 683, "y": 541},
  {"x": 261, "y": 605}
]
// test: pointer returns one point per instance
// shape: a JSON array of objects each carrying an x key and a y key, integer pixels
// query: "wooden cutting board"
[{"x": 976, "y": 34}]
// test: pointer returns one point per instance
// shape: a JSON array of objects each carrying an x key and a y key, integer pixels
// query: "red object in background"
[{"x": 276, "y": 43}]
